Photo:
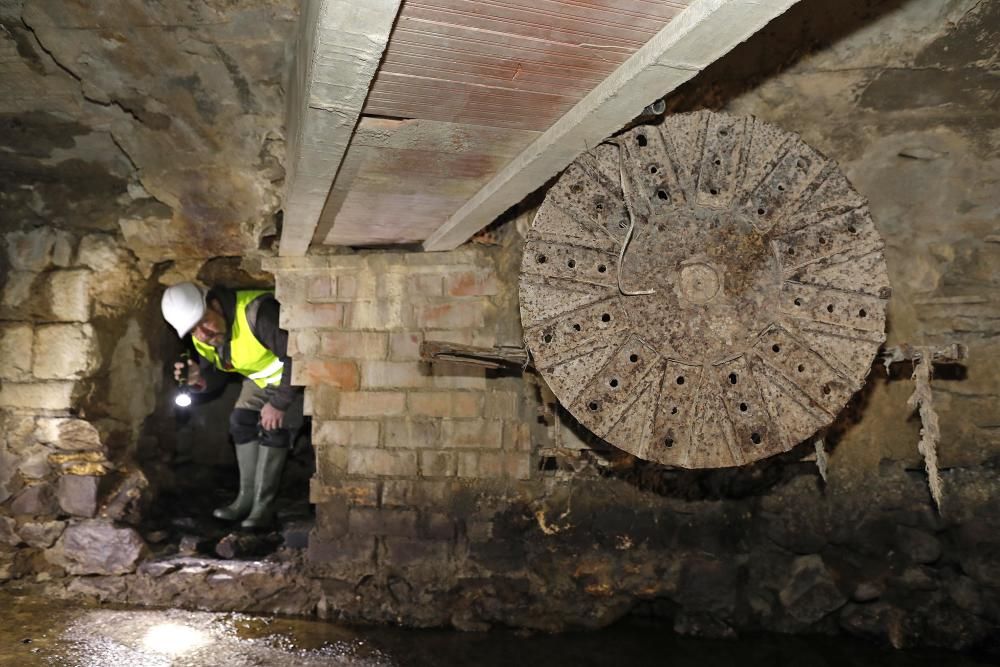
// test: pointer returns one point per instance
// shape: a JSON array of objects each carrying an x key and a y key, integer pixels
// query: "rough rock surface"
[{"x": 97, "y": 547}]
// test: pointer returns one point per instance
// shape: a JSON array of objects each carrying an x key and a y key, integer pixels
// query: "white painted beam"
[
  {"x": 690, "y": 42},
  {"x": 340, "y": 45}
]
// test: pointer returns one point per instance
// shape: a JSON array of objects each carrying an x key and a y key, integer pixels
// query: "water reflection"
[{"x": 57, "y": 634}]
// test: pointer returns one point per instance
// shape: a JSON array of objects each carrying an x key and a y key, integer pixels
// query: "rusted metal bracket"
[
  {"x": 949, "y": 354},
  {"x": 500, "y": 356}
]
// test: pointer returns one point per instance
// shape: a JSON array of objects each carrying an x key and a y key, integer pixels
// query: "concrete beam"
[
  {"x": 690, "y": 42},
  {"x": 339, "y": 48}
]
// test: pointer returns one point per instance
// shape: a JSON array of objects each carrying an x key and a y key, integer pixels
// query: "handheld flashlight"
[{"x": 183, "y": 397}]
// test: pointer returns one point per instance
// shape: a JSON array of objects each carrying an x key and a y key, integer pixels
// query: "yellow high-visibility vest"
[{"x": 247, "y": 355}]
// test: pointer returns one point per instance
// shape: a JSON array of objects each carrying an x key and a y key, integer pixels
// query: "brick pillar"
[{"x": 396, "y": 438}]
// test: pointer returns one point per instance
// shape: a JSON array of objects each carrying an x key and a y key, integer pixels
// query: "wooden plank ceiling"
[{"x": 464, "y": 86}]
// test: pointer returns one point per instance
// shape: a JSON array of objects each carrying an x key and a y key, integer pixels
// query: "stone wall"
[{"x": 72, "y": 323}]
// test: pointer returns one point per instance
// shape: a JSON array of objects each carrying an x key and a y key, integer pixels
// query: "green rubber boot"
[
  {"x": 246, "y": 459},
  {"x": 270, "y": 463}
]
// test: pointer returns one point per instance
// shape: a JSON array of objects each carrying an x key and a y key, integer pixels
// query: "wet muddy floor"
[{"x": 57, "y": 633}]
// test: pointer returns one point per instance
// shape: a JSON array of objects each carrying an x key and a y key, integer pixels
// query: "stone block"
[
  {"x": 8, "y": 532},
  {"x": 437, "y": 463},
  {"x": 408, "y": 434},
  {"x": 77, "y": 495},
  {"x": 405, "y": 345},
  {"x": 37, "y": 395},
  {"x": 406, "y": 552},
  {"x": 68, "y": 434},
  {"x": 337, "y": 373},
  {"x": 517, "y": 436},
  {"x": 351, "y": 492},
  {"x": 347, "y": 287},
  {"x": 312, "y": 316},
  {"x": 18, "y": 288},
  {"x": 414, "y": 493},
  {"x": 16, "y": 350},
  {"x": 348, "y": 433},
  {"x": 97, "y": 547},
  {"x": 481, "y": 282},
  {"x": 373, "y": 521},
  {"x": 69, "y": 295},
  {"x": 36, "y": 500},
  {"x": 382, "y": 462},
  {"x": 38, "y": 249},
  {"x": 479, "y": 433},
  {"x": 436, "y": 526},
  {"x": 445, "y": 404},
  {"x": 452, "y": 315},
  {"x": 811, "y": 593},
  {"x": 65, "y": 351},
  {"x": 34, "y": 462},
  {"x": 353, "y": 344},
  {"x": 371, "y": 403},
  {"x": 101, "y": 253},
  {"x": 41, "y": 534},
  {"x": 9, "y": 481},
  {"x": 494, "y": 465}
]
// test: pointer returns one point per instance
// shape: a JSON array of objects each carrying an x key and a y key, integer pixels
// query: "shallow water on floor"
[{"x": 60, "y": 634}]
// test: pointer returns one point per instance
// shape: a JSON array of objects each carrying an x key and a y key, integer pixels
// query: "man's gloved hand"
[
  {"x": 194, "y": 378},
  {"x": 271, "y": 417}
]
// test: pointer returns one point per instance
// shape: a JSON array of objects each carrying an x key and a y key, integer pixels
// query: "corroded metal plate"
[{"x": 745, "y": 310}]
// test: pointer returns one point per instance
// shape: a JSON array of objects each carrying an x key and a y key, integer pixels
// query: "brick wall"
[{"x": 399, "y": 442}]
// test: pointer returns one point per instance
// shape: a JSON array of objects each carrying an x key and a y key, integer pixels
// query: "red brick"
[
  {"x": 471, "y": 283},
  {"x": 405, "y": 346},
  {"x": 353, "y": 344},
  {"x": 382, "y": 462},
  {"x": 371, "y": 403},
  {"x": 338, "y": 374},
  {"x": 321, "y": 288},
  {"x": 444, "y": 403},
  {"x": 307, "y": 316},
  {"x": 424, "y": 284},
  {"x": 387, "y": 374},
  {"x": 452, "y": 315}
]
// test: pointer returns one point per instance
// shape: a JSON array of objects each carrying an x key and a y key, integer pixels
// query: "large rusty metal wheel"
[{"x": 704, "y": 293}]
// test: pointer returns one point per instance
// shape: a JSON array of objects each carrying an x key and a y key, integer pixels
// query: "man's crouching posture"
[{"x": 236, "y": 331}]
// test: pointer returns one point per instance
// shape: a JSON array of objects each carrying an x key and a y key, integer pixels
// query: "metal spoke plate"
[{"x": 768, "y": 280}]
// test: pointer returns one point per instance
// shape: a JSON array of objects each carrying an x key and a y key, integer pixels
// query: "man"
[{"x": 236, "y": 331}]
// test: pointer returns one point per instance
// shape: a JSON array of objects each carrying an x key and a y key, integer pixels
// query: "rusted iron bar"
[{"x": 500, "y": 356}]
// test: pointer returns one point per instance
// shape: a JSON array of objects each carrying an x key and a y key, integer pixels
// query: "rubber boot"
[
  {"x": 246, "y": 460},
  {"x": 270, "y": 462}
]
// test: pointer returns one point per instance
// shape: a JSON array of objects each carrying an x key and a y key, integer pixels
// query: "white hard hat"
[{"x": 183, "y": 305}]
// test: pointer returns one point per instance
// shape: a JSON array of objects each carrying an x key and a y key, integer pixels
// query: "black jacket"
[{"x": 262, "y": 316}]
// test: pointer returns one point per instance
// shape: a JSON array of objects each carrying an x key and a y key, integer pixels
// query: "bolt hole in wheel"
[
  {"x": 577, "y": 327},
  {"x": 713, "y": 191},
  {"x": 633, "y": 358},
  {"x": 541, "y": 259},
  {"x": 761, "y": 211},
  {"x": 593, "y": 405},
  {"x": 744, "y": 407},
  {"x": 571, "y": 263},
  {"x": 599, "y": 206},
  {"x": 613, "y": 383},
  {"x": 829, "y": 308},
  {"x": 673, "y": 410},
  {"x": 852, "y": 229},
  {"x": 775, "y": 348},
  {"x": 798, "y": 301},
  {"x": 801, "y": 368},
  {"x": 781, "y": 188},
  {"x": 547, "y": 338},
  {"x": 826, "y": 389},
  {"x": 732, "y": 378},
  {"x": 791, "y": 251},
  {"x": 680, "y": 379},
  {"x": 653, "y": 169},
  {"x": 641, "y": 140},
  {"x": 601, "y": 268},
  {"x": 662, "y": 194},
  {"x": 718, "y": 162},
  {"x": 755, "y": 438},
  {"x": 668, "y": 443},
  {"x": 605, "y": 317},
  {"x": 822, "y": 240},
  {"x": 862, "y": 313}
]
